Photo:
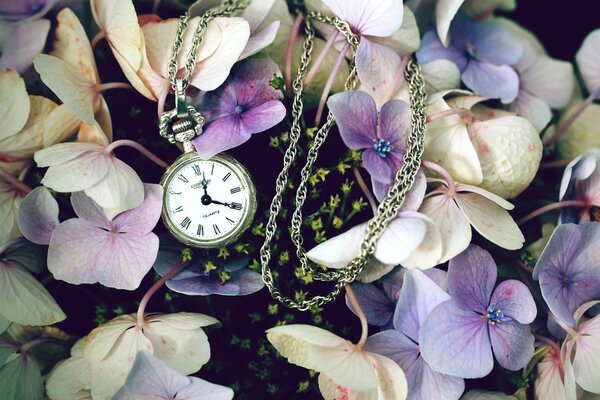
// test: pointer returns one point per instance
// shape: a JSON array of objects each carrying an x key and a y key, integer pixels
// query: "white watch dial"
[{"x": 207, "y": 201}]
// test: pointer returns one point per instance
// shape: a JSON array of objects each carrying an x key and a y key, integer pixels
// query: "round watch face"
[{"x": 207, "y": 203}]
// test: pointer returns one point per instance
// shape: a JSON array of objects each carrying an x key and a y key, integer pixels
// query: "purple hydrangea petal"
[
  {"x": 380, "y": 169},
  {"x": 454, "y": 341},
  {"x": 221, "y": 135},
  {"x": 378, "y": 308},
  {"x": 392, "y": 283},
  {"x": 394, "y": 122},
  {"x": 493, "y": 81},
  {"x": 262, "y": 117},
  {"x": 419, "y": 295},
  {"x": 377, "y": 66},
  {"x": 515, "y": 301},
  {"x": 512, "y": 343},
  {"x": 142, "y": 219},
  {"x": 462, "y": 30},
  {"x": 215, "y": 104},
  {"x": 356, "y": 117},
  {"x": 38, "y": 216},
  {"x": 12, "y": 10},
  {"x": 87, "y": 209},
  {"x": 495, "y": 44},
  {"x": 248, "y": 281},
  {"x": 251, "y": 82},
  {"x": 568, "y": 269},
  {"x": 203, "y": 286},
  {"x": 432, "y": 49},
  {"x": 471, "y": 278},
  {"x": 27, "y": 40}
]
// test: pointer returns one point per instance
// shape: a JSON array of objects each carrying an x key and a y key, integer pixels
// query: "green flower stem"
[
  {"x": 361, "y": 315},
  {"x": 14, "y": 181},
  {"x": 572, "y": 118},
  {"x": 154, "y": 288},
  {"x": 330, "y": 81},
  {"x": 551, "y": 207},
  {"x": 130, "y": 143}
]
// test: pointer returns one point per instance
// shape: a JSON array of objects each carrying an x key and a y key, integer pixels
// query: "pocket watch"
[{"x": 206, "y": 203}]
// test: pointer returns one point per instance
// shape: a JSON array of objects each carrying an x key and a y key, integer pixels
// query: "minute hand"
[{"x": 220, "y": 203}]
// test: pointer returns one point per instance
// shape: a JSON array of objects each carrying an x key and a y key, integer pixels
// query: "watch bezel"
[{"x": 246, "y": 183}]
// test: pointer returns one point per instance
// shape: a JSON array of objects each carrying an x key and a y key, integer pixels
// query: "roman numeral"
[
  {"x": 185, "y": 224},
  {"x": 173, "y": 193},
  {"x": 178, "y": 209},
  {"x": 196, "y": 169},
  {"x": 230, "y": 220},
  {"x": 216, "y": 228},
  {"x": 236, "y": 206},
  {"x": 235, "y": 190},
  {"x": 182, "y": 178},
  {"x": 212, "y": 170},
  {"x": 200, "y": 230},
  {"x": 226, "y": 176}
]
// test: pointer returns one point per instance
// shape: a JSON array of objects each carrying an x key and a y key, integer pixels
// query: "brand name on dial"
[{"x": 211, "y": 214}]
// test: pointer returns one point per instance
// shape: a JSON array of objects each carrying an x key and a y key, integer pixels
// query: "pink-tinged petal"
[
  {"x": 378, "y": 308},
  {"x": 202, "y": 390},
  {"x": 151, "y": 377},
  {"x": 380, "y": 168},
  {"x": 586, "y": 362},
  {"x": 512, "y": 343},
  {"x": 515, "y": 301},
  {"x": 471, "y": 278},
  {"x": 356, "y": 117},
  {"x": 533, "y": 108},
  {"x": 210, "y": 73},
  {"x": 38, "y": 216},
  {"x": 250, "y": 86},
  {"x": 80, "y": 252},
  {"x": 142, "y": 219},
  {"x": 378, "y": 19},
  {"x": 493, "y": 81},
  {"x": 338, "y": 251},
  {"x": 566, "y": 354},
  {"x": 63, "y": 152},
  {"x": 260, "y": 40},
  {"x": 550, "y": 379},
  {"x": 454, "y": 341},
  {"x": 89, "y": 210},
  {"x": 394, "y": 122},
  {"x": 401, "y": 237},
  {"x": 78, "y": 174},
  {"x": 221, "y": 135},
  {"x": 491, "y": 221},
  {"x": 418, "y": 297},
  {"x": 120, "y": 190},
  {"x": 454, "y": 227},
  {"x": 256, "y": 12},
  {"x": 377, "y": 66},
  {"x": 26, "y": 41},
  {"x": 588, "y": 60}
]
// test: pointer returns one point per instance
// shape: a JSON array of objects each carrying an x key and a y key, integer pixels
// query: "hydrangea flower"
[
  {"x": 20, "y": 374},
  {"x": 419, "y": 295},
  {"x": 459, "y": 335},
  {"x": 569, "y": 269},
  {"x": 483, "y": 52},
  {"x": 244, "y": 105},
  {"x": 382, "y": 136},
  {"x": 233, "y": 279},
  {"x": 70, "y": 378},
  {"x": 345, "y": 369},
  {"x": 588, "y": 61},
  {"x": 581, "y": 182},
  {"x": 152, "y": 378},
  {"x": 91, "y": 248},
  {"x": 552, "y": 381}
]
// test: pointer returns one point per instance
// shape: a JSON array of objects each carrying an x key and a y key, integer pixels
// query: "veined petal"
[
  {"x": 338, "y": 251},
  {"x": 77, "y": 174},
  {"x": 14, "y": 103},
  {"x": 491, "y": 221},
  {"x": 550, "y": 379},
  {"x": 551, "y": 80},
  {"x": 533, "y": 108},
  {"x": 493, "y": 81},
  {"x": 455, "y": 342},
  {"x": 587, "y": 356},
  {"x": 445, "y": 10},
  {"x": 402, "y": 236},
  {"x": 27, "y": 40},
  {"x": 512, "y": 343},
  {"x": 378, "y": 308},
  {"x": 261, "y": 39},
  {"x": 377, "y": 66},
  {"x": 89, "y": 210},
  {"x": 256, "y": 12},
  {"x": 588, "y": 60},
  {"x": 378, "y": 19},
  {"x": 38, "y": 216},
  {"x": 355, "y": 114},
  {"x": 142, "y": 219},
  {"x": 515, "y": 301}
]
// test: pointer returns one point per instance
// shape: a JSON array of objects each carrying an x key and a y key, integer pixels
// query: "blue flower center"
[
  {"x": 240, "y": 109},
  {"x": 494, "y": 314},
  {"x": 383, "y": 147}
]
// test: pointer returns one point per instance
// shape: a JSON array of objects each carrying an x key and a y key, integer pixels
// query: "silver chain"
[{"x": 388, "y": 208}]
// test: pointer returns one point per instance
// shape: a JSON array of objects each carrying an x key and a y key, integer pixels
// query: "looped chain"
[{"x": 390, "y": 205}]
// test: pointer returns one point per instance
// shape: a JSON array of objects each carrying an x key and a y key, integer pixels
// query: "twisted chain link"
[
  {"x": 387, "y": 209},
  {"x": 227, "y": 8}
]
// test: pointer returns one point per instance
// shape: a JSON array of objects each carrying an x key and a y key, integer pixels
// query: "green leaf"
[
  {"x": 4, "y": 324},
  {"x": 21, "y": 379},
  {"x": 31, "y": 256},
  {"x": 24, "y": 300},
  {"x": 7, "y": 348}
]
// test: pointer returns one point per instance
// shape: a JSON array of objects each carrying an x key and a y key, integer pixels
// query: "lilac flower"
[
  {"x": 569, "y": 269},
  {"x": 116, "y": 253},
  {"x": 244, "y": 105},
  {"x": 419, "y": 295},
  {"x": 483, "y": 52},
  {"x": 581, "y": 181},
  {"x": 151, "y": 378},
  {"x": 381, "y": 135},
  {"x": 459, "y": 335},
  {"x": 233, "y": 279},
  {"x": 379, "y": 304},
  {"x": 23, "y": 32}
]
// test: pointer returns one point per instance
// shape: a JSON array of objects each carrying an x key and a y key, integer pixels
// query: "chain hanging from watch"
[{"x": 387, "y": 209}]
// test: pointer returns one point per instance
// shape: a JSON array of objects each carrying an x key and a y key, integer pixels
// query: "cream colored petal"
[
  {"x": 70, "y": 380},
  {"x": 445, "y": 10},
  {"x": 14, "y": 103},
  {"x": 583, "y": 134},
  {"x": 101, "y": 340},
  {"x": 551, "y": 80},
  {"x": 60, "y": 124},
  {"x": 429, "y": 252},
  {"x": 440, "y": 75},
  {"x": 588, "y": 60},
  {"x": 405, "y": 40}
]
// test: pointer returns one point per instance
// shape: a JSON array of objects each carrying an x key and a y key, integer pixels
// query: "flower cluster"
[{"x": 455, "y": 288}]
